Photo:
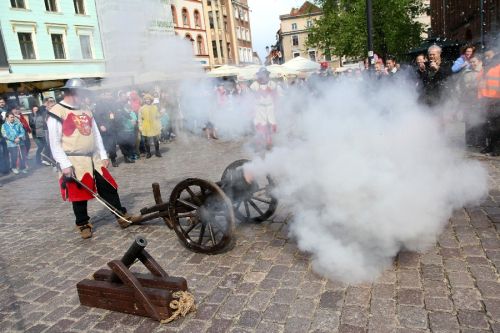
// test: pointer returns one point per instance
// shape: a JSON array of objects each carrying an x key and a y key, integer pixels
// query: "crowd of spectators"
[{"x": 134, "y": 120}]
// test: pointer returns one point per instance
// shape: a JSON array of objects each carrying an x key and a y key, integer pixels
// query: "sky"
[{"x": 265, "y": 21}]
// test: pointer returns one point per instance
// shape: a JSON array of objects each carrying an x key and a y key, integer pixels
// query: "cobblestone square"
[{"x": 264, "y": 284}]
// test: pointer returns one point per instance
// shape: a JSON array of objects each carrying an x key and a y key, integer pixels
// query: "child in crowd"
[{"x": 14, "y": 134}]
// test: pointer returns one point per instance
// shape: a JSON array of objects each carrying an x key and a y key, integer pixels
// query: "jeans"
[
  {"x": 41, "y": 145},
  {"x": 15, "y": 153}
]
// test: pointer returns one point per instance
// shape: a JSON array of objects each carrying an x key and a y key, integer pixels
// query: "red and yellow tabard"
[{"x": 79, "y": 145}]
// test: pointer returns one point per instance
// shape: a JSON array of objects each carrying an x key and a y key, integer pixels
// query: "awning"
[{"x": 19, "y": 78}]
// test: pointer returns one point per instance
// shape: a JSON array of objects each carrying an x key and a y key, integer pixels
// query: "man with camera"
[{"x": 434, "y": 77}]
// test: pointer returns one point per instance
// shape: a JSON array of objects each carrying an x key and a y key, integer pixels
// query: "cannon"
[
  {"x": 155, "y": 294},
  {"x": 202, "y": 213}
]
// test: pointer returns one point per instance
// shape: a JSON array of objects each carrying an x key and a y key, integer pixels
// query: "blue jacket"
[
  {"x": 12, "y": 131},
  {"x": 458, "y": 65}
]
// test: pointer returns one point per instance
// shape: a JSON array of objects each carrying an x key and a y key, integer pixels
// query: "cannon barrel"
[
  {"x": 132, "y": 253},
  {"x": 134, "y": 250},
  {"x": 235, "y": 186}
]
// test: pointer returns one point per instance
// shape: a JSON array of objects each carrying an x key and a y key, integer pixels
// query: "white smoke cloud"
[
  {"x": 366, "y": 173},
  {"x": 363, "y": 168}
]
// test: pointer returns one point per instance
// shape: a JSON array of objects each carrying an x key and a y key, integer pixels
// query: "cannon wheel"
[
  {"x": 202, "y": 216},
  {"x": 257, "y": 206}
]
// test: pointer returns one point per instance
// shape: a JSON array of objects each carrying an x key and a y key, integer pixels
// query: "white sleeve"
[
  {"x": 99, "y": 146},
  {"x": 55, "y": 136}
]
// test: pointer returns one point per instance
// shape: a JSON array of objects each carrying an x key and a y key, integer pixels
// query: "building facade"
[
  {"x": 293, "y": 34},
  {"x": 425, "y": 19},
  {"x": 461, "y": 20},
  {"x": 228, "y": 32},
  {"x": 51, "y": 39},
  {"x": 188, "y": 18}
]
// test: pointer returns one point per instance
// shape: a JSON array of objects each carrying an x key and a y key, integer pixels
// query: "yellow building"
[
  {"x": 294, "y": 31},
  {"x": 228, "y": 32}
]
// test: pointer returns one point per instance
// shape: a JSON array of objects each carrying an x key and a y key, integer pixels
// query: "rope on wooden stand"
[{"x": 182, "y": 306}]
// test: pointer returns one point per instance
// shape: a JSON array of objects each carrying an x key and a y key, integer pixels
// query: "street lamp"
[{"x": 369, "y": 22}]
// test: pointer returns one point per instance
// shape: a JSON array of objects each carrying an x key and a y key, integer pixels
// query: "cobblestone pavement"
[{"x": 265, "y": 284}]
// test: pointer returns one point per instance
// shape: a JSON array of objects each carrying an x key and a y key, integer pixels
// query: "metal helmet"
[
  {"x": 75, "y": 83},
  {"x": 263, "y": 72}
]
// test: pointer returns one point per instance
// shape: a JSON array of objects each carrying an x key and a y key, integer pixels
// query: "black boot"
[{"x": 114, "y": 163}]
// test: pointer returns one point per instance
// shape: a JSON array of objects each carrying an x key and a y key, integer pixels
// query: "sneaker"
[
  {"x": 114, "y": 164},
  {"x": 46, "y": 163},
  {"x": 85, "y": 230},
  {"x": 158, "y": 154},
  {"x": 24, "y": 171},
  {"x": 15, "y": 171},
  {"x": 148, "y": 155}
]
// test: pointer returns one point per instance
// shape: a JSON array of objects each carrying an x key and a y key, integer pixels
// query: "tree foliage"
[{"x": 343, "y": 30}]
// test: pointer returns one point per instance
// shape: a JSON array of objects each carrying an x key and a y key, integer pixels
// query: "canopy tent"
[
  {"x": 14, "y": 82},
  {"x": 302, "y": 65},
  {"x": 225, "y": 70},
  {"x": 248, "y": 72},
  {"x": 280, "y": 71}
]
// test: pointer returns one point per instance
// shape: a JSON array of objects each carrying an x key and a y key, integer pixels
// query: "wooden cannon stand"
[{"x": 119, "y": 289}]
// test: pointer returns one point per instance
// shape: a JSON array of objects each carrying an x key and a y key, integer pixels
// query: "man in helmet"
[
  {"x": 264, "y": 119},
  {"x": 77, "y": 147}
]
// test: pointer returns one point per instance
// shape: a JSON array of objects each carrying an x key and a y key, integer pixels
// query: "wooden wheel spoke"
[
  {"x": 256, "y": 207},
  {"x": 193, "y": 196},
  {"x": 187, "y": 203},
  {"x": 184, "y": 215},
  {"x": 247, "y": 210},
  {"x": 262, "y": 200},
  {"x": 212, "y": 236},
  {"x": 191, "y": 228},
  {"x": 202, "y": 233}
]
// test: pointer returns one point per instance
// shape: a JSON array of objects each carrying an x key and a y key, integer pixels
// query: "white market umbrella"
[
  {"x": 248, "y": 72},
  {"x": 302, "y": 65},
  {"x": 224, "y": 70},
  {"x": 278, "y": 71}
]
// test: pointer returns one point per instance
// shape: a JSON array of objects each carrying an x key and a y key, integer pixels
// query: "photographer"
[{"x": 434, "y": 77}]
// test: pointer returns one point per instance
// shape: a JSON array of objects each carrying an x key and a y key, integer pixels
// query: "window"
[
  {"x": 294, "y": 26},
  {"x": 17, "y": 4},
  {"x": 309, "y": 24},
  {"x": 86, "y": 47},
  {"x": 50, "y": 5},
  {"x": 236, "y": 13},
  {"x": 328, "y": 55},
  {"x": 246, "y": 16},
  {"x": 296, "y": 54},
  {"x": 185, "y": 17},
  {"x": 295, "y": 40},
  {"x": 240, "y": 52},
  {"x": 221, "y": 48},
  {"x": 199, "y": 45},
  {"x": 312, "y": 55},
  {"x": 174, "y": 14},
  {"x": 79, "y": 7},
  {"x": 26, "y": 44},
  {"x": 197, "y": 21},
  {"x": 58, "y": 46},
  {"x": 211, "y": 20},
  {"x": 238, "y": 32},
  {"x": 214, "y": 49}
]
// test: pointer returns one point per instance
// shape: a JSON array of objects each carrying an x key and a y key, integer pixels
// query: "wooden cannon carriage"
[{"x": 202, "y": 213}]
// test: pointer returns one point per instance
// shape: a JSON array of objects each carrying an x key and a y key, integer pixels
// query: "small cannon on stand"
[
  {"x": 202, "y": 213},
  {"x": 156, "y": 295}
]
